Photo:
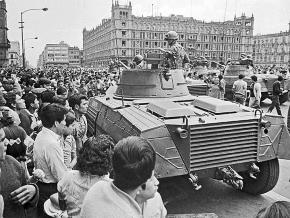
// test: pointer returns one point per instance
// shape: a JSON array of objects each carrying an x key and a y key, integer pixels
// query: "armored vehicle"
[
  {"x": 194, "y": 137},
  {"x": 266, "y": 80}
]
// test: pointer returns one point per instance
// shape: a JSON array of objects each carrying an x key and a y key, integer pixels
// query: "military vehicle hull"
[
  {"x": 193, "y": 136},
  {"x": 266, "y": 80}
]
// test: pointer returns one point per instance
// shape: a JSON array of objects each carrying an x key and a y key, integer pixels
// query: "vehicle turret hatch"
[
  {"x": 215, "y": 105},
  {"x": 169, "y": 109}
]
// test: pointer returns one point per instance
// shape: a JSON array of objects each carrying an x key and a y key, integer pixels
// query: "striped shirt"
[{"x": 69, "y": 149}]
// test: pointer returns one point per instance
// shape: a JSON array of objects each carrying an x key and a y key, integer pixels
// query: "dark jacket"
[
  {"x": 13, "y": 177},
  {"x": 277, "y": 88}
]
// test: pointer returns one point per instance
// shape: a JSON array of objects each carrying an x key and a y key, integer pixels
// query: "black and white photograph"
[{"x": 144, "y": 109}]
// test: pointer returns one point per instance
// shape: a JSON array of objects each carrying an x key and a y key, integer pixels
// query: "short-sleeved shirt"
[
  {"x": 69, "y": 148},
  {"x": 80, "y": 129},
  {"x": 240, "y": 87}
]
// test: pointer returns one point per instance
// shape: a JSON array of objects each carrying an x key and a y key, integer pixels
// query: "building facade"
[
  {"x": 59, "y": 55},
  {"x": 272, "y": 49},
  {"x": 124, "y": 35},
  {"x": 74, "y": 57},
  {"x": 4, "y": 42},
  {"x": 55, "y": 55},
  {"x": 14, "y": 56}
]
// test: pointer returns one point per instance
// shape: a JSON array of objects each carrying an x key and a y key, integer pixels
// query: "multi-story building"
[
  {"x": 59, "y": 55},
  {"x": 125, "y": 35},
  {"x": 82, "y": 58},
  {"x": 272, "y": 49},
  {"x": 74, "y": 57},
  {"x": 14, "y": 54},
  {"x": 4, "y": 42},
  {"x": 56, "y": 55}
]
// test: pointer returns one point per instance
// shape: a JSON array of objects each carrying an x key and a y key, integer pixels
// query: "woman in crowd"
[
  {"x": 17, "y": 194},
  {"x": 93, "y": 165}
]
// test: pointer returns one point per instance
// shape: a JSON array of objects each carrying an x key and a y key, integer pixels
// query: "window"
[
  {"x": 123, "y": 23},
  {"x": 123, "y": 33},
  {"x": 123, "y": 43}
]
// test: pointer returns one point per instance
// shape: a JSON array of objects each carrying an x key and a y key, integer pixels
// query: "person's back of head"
[
  {"x": 95, "y": 157},
  {"x": 254, "y": 78},
  {"x": 29, "y": 99},
  {"x": 47, "y": 96},
  {"x": 133, "y": 162},
  {"x": 61, "y": 90},
  {"x": 279, "y": 209},
  {"x": 241, "y": 76},
  {"x": 280, "y": 78}
]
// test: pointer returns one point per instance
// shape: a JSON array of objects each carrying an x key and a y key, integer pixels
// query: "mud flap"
[{"x": 283, "y": 151}]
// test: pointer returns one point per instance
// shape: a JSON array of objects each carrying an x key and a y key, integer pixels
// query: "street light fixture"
[
  {"x": 22, "y": 27},
  {"x": 30, "y": 38}
]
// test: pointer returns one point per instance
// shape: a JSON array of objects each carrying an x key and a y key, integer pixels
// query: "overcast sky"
[{"x": 65, "y": 19}]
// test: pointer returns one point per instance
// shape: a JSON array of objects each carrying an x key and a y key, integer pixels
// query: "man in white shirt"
[
  {"x": 255, "y": 93},
  {"x": 48, "y": 153},
  {"x": 240, "y": 90},
  {"x": 133, "y": 193}
]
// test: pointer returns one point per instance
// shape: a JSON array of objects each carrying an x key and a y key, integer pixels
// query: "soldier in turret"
[
  {"x": 138, "y": 62},
  {"x": 176, "y": 55}
]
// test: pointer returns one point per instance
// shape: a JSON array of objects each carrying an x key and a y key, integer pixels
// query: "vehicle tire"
[
  {"x": 264, "y": 96},
  {"x": 266, "y": 179},
  {"x": 283, "y": 98}
]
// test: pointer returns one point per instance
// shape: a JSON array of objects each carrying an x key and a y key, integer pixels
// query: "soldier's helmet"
[
  {"x": 138, "y": 58},
  {"x": 171, "y": 35}
]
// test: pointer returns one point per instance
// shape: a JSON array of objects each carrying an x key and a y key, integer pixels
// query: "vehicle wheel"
[
  {"x": 283, "y": 98},
  {"x": 266, "y": 179},
  {"x": 264, "y": 96}
]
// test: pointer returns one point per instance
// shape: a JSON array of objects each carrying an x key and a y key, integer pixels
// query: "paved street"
[{"x": 221, "y": 199}]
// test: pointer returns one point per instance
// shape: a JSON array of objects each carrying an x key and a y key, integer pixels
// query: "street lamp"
[
  {"x": 22, "y": 27},
  {"x": 30, "y": 38}
]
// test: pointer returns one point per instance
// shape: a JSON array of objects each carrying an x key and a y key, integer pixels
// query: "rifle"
[
  {"x": 164, "y": 51},
  {"x": 124, "y": 65}
]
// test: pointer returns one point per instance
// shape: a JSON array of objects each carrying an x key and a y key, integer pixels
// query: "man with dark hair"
[
  {"x": 28, "y": 116},
  {"x": 47, "y": 151},
  {"x": 44, "y": 83},
  {"x": 255, "y": 93},
  {"x": 133, "y": 193},
  {"x": 240, "y": 90},
  {"x": 79, "y": 104},
  {"x": 46, "y": 97},
  {"x": 277, "y": 91}
]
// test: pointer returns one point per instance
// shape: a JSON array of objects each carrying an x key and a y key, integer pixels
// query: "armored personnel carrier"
[
  {"x": 266, "y": 80},
  {"x": 194, "y": 137}
]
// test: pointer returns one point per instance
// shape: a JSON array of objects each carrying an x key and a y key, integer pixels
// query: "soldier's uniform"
[{"x": 177, "y": 56}]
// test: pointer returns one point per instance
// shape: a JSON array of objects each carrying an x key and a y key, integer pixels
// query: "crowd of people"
[{"x": 49, "y": 165}]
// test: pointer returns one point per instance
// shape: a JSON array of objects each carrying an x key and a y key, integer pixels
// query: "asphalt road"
[{"x": 219, "y": 198}]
